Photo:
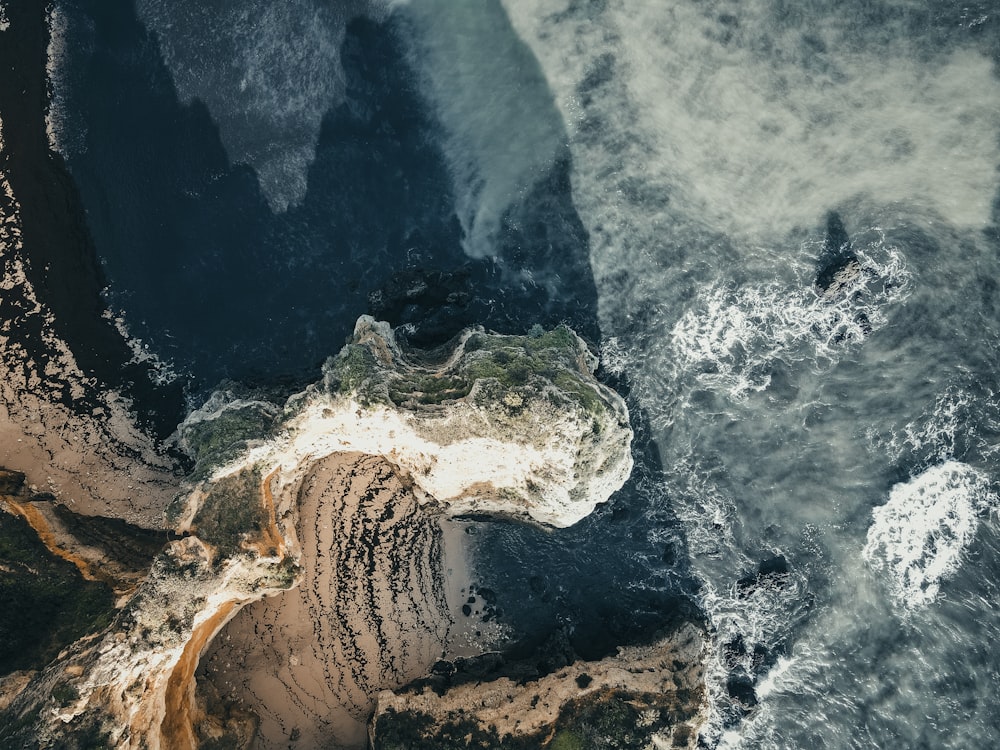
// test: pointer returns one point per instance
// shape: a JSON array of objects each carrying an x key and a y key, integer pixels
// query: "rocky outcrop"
[
  {"x": 117, "y": 553},
  {"x": 389, "y": 441},
  {"x": 504, "y": 425},
  {"x": 513, "y": 425},
  {"x": 644, "y": 697},
  {"x": 47, "y": 603},
  {"x": 839, "y": 269},
  {"x": 499, "y": 424},
  {"x": 132, "y": 686}
]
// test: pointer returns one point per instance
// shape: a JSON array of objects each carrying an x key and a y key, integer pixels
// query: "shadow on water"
[
  {"x": 226, "y": 289},
  {"x": 619, "y": 576}
]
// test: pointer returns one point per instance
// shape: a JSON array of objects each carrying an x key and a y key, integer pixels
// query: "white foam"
[
  {"x": 680, "y": 133},
  {"x": 931, "y": 438},
  {"x": 917, "y": 538},
  {"x": 65, "y": 134},
  {"x": 161, "y": 372},
  {"x": 701, "y": 131},
  {"x": 614, "y": 357},
  {"x": 503, "y": 131},
  {"x": 4, "y": 20},
  {"x": 731, "y": 336},
  {"x": 754, "y": 140},
  {"x": 100, "y": 464}
]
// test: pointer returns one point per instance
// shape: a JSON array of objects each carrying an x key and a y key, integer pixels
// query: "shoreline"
[
  {"x": 380, "y": 602},
  {"x": 69, "y": 391},
  {"x": 58, "y": 256}
]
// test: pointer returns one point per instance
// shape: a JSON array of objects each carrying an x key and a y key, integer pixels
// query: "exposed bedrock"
[
  {"x": 131, "y": 686},
  {"x": 511, "y": 425},
  {"x": 644, "y": 697},
  {"x": 839, "y": 269}
]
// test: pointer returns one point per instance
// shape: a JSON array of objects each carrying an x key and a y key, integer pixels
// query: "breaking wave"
[
  {"x": 732, "y": 336},
  {"x": 918, "y": 537}
]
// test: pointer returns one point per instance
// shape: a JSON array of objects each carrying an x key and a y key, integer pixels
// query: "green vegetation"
[
  {"x": 284, "y": 574},
  {"x": 232, "y": 510},
  {"x": 411, "y": 730},
  {"x": 514, "y": 362},
  {"x": 566, "y": 740},
  {"x": 427, "y": 389},
  {"x": 45, "y": 604},
  {"x": 17, "y": 732},
  {"x": 217, "y": 441},
  {"x": 65, "y": 693},
  {"x": 607, "y": 719},
  {"x": 225, "y": 742},
  {"x": 352, "y": 370},
  {"x": 579, "y": 390}
]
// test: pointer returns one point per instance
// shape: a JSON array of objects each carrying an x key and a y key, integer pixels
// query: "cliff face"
[
  {"x": 501, "y": 424},
  {"x": 370, "y": 613},
  {"x": 131, "y": 686}
]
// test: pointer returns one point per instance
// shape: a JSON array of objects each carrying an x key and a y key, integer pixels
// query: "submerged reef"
[{"x": 514, "y": 426}]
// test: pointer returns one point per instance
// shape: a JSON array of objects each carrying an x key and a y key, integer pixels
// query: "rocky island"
[{"x": 321, "y": 530}]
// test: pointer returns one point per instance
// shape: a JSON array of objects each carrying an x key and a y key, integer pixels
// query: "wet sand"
[
  {"x": 62, "y": 267},
  {"x": 383, "y": 586}
]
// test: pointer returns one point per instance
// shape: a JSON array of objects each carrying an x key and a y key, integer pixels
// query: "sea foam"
[
  {"x": 917, "y": 538},
  {"x": 732, "y": 336}
]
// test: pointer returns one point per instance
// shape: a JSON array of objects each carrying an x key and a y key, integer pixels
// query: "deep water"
[
  {"x": 816, "y": 473},
  {"x": 220, "y": 286}
]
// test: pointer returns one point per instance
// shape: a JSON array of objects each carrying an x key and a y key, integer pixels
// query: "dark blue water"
[
  {"x": 817, "y": 473},
  {"x": 222, "y": 286}
]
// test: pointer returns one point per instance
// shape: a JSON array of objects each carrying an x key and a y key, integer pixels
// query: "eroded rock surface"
[
  {"x": 369, "y": 614},
  {"x": 500, "y": 424},
  {"x": 644, "y": 697},
  {"x": 513, "y": 425}
]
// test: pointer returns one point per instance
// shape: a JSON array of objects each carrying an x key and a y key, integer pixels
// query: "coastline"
[
  {"x": 376, "y": 608},
  {"x": 69, "y": 390},
  {"x": 59, "y": 258}
]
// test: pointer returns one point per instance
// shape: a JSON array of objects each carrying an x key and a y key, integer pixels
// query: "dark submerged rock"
[
  {"x": 11, "y": 482},
  {"x": 772, "y": 570},
  {"x": 45, "y": 604},
  {"x": 838, "y": 264}
]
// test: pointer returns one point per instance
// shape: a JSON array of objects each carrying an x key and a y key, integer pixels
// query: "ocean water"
[{"x": 818, "y": 474}]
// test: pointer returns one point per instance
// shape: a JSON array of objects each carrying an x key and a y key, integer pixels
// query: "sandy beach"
[
  {"x": 67, "y": 380},
  {"x": 382, "y": 591}
]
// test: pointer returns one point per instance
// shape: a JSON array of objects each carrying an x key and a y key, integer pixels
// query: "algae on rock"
[
  {"x": 508, "y": 425},
  {"x": 490, "y": 423},
  {"x": 643, "y": 698}
]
